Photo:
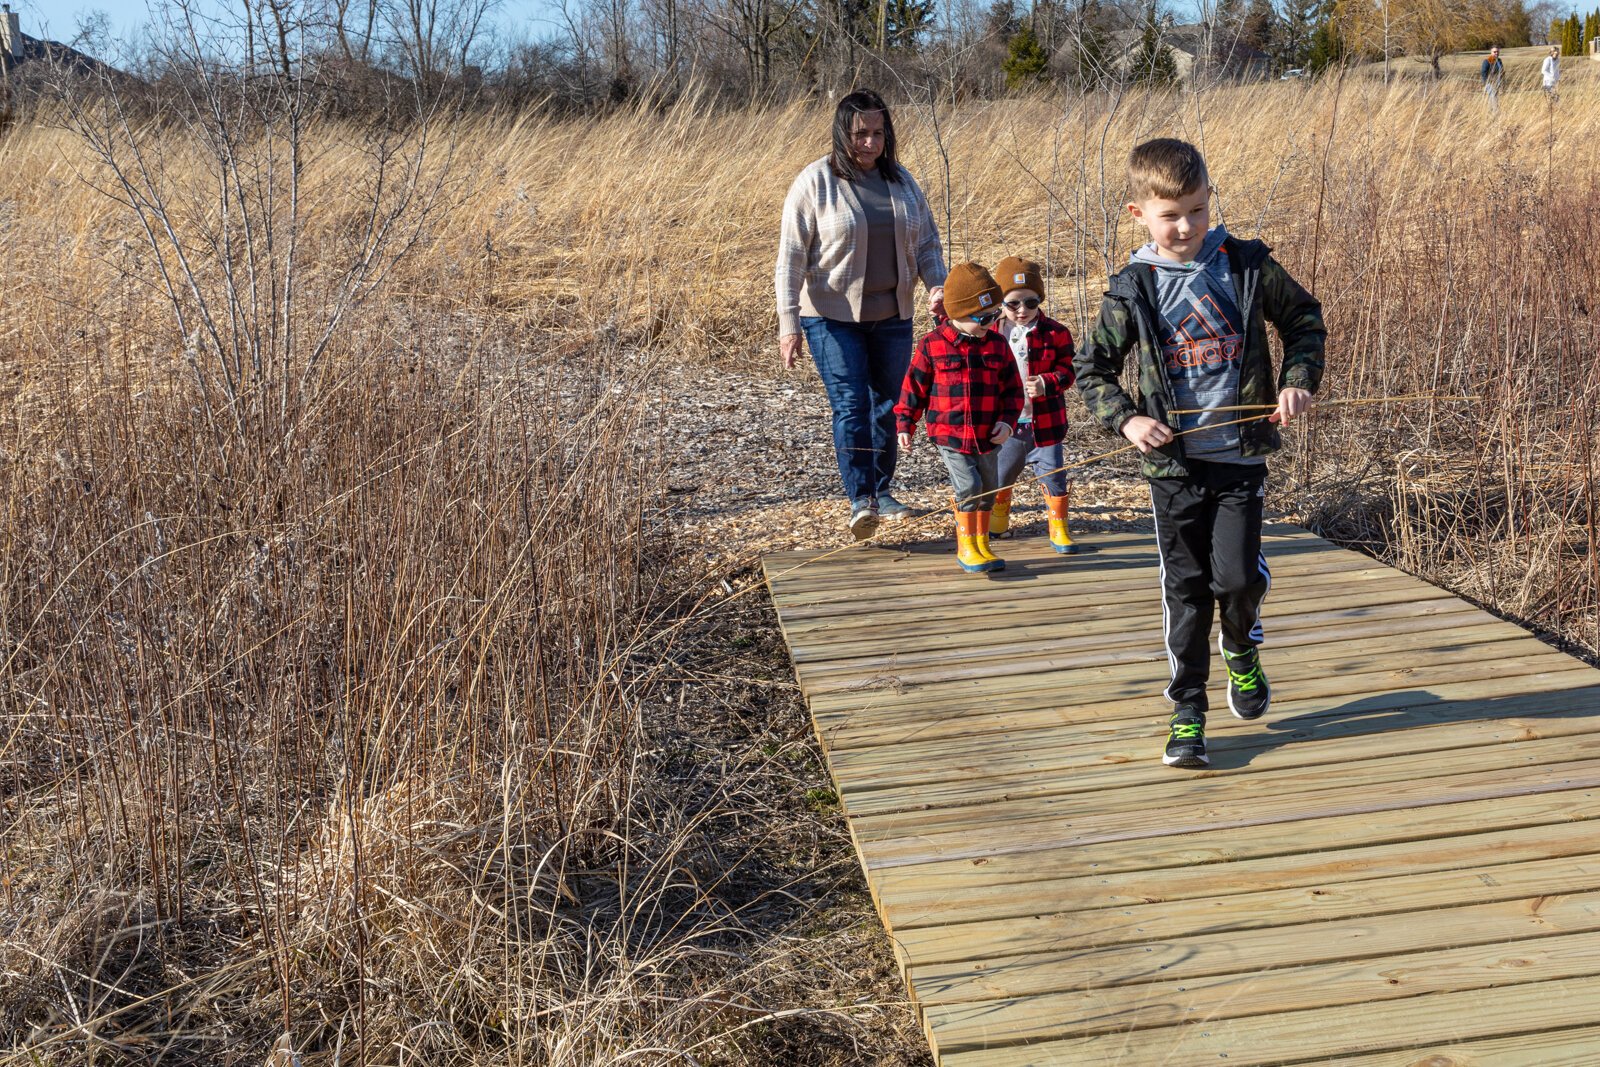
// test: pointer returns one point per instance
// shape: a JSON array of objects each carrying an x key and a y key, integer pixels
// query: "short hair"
[
  {"x": 1166, "y": 168},
  {"x": 861, "y": 102}
]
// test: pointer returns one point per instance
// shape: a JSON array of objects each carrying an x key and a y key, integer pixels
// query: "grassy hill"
[{"x": 1522, "y": 67}]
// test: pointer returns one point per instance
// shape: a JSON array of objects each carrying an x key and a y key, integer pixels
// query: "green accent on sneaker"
[
  {"x": 1248, "y": 680},
  {"x": 1187, "y": 731}
]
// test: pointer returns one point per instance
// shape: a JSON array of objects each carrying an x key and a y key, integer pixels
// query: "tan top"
[{"x": 822, "y": 250}]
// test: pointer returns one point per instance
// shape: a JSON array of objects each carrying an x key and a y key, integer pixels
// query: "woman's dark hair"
[{"x": 861, "y": 102}]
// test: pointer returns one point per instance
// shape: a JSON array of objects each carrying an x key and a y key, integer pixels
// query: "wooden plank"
[
  {"x": 1330, "y": 650},
  {"x": 1355, "y": 763},
  {"x": 931, "y": 591},
  {"x": 863, "y": 726},
  {"x": 1202, "y": 954},
  {"x": 1064, "y": 759},
  {"x": 1360, "y": 674},
  {"x": 1051, "y": 928},
  {"x": 950, "y": 902},
  {"x": 896, "y": 842},
  {"x": 1328, "y": 669},
  {"x": 1400, "y": 703},
  {"x": 1133, "y": 695},
  {"x": 1141, "y": 684},
  {"x": 1176, "y": 1002},
  {"x": 1318, "y": 1036},
  {"x": 1133, "y": 606},
  {"x": 1089, "y": 649},
  {"x": 1559, "y": 1048},
  {"x": 893, "y": 645},
  {"x": 1155, "y": 859},
  {"x": 805, "y": 569}
]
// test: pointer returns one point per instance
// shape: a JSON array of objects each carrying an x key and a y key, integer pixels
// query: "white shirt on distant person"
[{"x": 1552, "y": 71}]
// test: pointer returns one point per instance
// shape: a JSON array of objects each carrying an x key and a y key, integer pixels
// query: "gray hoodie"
[{"x": 1202, "y": 339}]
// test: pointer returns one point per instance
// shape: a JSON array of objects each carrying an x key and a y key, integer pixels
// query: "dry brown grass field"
[{"x": 359, "y": 678}]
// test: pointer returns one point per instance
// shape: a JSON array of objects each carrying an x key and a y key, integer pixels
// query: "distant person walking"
[
  {"x": 857, "y": 235},
  {"x": 1551, "y": 70},
  {"x": 1494, "y": 76}
]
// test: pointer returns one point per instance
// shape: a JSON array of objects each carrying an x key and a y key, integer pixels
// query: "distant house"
[
  {"x": 1189, "y": 46},
  {"x": 25, "y": 60}
]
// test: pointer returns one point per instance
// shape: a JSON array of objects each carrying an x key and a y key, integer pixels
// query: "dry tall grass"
[{"x": 348, "y": 731}]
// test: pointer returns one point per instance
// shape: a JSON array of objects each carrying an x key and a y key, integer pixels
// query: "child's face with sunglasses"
[
  {"x": 1022, "y": 306},
  {"x": 976, "y": 325}
]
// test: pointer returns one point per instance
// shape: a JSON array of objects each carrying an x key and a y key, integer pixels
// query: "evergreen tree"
[
  {"x": 1261, "y": 26},
  {"x": 1572, "y": 38},
  {"x": 1291, "y": 45},
  {"x": 1591, "y": 29},
  {"x": 1222, "y": 39},
  {"x": 905, "y": 21},
  {"x": 1152, "y": 62},
  {"x": 1327, "y": 43},
  {"x": 1026, "y": 62},
  {"x": 1086, "y": 27},
  {"x": 1000, "y": 21}
]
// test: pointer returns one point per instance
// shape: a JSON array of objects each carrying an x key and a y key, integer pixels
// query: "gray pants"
[
  {"x": 1046, "y": 460},
  {"x": 972, "y": 476}
]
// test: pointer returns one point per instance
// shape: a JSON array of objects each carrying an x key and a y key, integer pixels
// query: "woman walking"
[{"x": 857, "y": 235}]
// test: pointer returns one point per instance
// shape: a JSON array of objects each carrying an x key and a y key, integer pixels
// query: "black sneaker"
[
  {"x": 1249, "y": 695},
  {"x": 1186, "y": 738}
]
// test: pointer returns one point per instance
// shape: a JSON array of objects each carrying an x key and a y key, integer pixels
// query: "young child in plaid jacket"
[
  {"x": 965, "y": 379},
  {"x": 1043, "y": 350}
]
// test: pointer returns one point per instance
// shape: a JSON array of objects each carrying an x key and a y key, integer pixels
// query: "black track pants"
[{"x": 1208, "y": 529}]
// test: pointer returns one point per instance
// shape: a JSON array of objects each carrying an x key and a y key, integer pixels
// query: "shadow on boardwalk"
[{"x": 1390, "y": 712}]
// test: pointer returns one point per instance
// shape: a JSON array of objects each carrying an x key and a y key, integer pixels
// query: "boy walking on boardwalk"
[
  {"x": 962, "y": 374},
  {"x": 1191, "y": 307}
]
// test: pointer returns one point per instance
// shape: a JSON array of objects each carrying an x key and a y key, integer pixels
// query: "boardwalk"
[{"x": 1400, "y": 861}]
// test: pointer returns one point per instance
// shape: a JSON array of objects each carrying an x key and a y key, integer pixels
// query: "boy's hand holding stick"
[
  {"x": 1147, "y": 434},
  {"x": 1291, "y": 402}
]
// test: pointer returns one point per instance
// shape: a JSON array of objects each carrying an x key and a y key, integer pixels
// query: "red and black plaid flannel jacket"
[
  {"x": 1050, "y": 355},
  {"x": 967, "y": 385}
]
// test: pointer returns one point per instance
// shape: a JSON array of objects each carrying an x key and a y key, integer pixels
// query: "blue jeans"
[
  {"x": 1020, "y": 450},
  {"x": 973, "y": 478},
  {"x": 862, "y": 365}
]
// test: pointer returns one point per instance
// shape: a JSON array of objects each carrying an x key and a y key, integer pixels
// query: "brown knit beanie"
[
  {"x": 1015, "y": 273},
  {"x": 969, "y": 290}
]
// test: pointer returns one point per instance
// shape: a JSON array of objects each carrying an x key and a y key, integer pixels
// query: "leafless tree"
[{"x": 229, "y": 249}]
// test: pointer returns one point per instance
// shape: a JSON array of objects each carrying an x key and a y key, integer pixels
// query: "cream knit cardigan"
[{"x": 822, "y": 266}]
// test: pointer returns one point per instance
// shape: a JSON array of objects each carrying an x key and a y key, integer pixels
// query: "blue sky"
[{"x": 59, "y": 19}]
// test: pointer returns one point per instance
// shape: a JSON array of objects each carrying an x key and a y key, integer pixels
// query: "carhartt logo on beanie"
[
  {"x": 1015, "y": 273},
  {"x": 969, "y": 290}
]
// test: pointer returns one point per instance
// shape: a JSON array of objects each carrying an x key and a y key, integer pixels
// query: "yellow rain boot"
[
  {"x": 995, "y": 562},
  {"x": 1000, "y": 517},
  {"x": 1060, "y": 539},
  {"x": 972, "y": 561}
]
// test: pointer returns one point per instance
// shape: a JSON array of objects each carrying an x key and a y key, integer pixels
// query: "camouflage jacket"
[{"x": 1128, "y": 323}]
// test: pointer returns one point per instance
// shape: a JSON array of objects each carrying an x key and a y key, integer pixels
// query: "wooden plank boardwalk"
[{"x": 1400, "y": 861}]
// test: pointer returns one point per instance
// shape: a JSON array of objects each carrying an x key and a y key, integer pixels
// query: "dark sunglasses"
[
  {"x": 1029, "y": 302},
  {"x": 984, "y": 318}
]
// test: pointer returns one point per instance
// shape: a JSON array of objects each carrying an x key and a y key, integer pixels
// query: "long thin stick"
[{"x": 1352, "y": 402}]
